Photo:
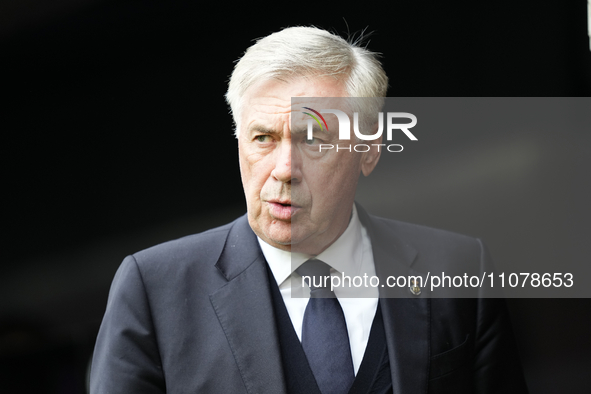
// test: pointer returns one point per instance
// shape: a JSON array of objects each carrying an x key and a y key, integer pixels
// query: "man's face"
[{"x": 297, "y": 197}]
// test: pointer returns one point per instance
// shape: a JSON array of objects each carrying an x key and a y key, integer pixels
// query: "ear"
[{"x": 372, "y": 156}]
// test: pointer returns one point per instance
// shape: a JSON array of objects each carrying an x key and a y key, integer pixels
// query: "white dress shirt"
[{"x": 350, "y": 255}]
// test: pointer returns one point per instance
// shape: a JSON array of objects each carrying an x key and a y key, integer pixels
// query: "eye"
[
  {"x": 313, "y": 141},
  {"x": 263, "y": 138}
]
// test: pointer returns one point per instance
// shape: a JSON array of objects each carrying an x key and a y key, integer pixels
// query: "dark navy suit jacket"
[{"x": 195, "y": 315}]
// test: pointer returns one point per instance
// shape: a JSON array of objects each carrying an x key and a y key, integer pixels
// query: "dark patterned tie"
[{"x": 324, "y": 333}]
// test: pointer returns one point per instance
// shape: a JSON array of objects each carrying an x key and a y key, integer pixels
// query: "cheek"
[
  {"x": 254, "y": 175},
  {"x": 247, "y": 167},
  {"x": 245, "y": 175},
  {"x": 332, "y": 183}
]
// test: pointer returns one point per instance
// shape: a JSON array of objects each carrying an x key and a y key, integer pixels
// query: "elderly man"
[{"x": 213, "y": 312}]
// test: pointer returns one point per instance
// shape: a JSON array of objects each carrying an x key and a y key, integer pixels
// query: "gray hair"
[{"x": 308, "y": 52}]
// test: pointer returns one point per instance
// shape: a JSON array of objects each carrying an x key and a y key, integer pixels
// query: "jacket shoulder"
[
  {"x": 429, "y": 249},
  {"x": 192, "y": 249},
  {"x": 419, "y": 235}
]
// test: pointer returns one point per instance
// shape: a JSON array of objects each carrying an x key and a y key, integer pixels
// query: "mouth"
[{"x": 282, "y": 209}]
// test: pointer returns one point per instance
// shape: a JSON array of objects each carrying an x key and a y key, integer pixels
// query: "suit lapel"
[
  {"x": 245, "y": 312},
  {"x": 406, "y": 317}
]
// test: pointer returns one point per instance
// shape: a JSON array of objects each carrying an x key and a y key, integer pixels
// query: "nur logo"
[{"x": 345, "y": 128}]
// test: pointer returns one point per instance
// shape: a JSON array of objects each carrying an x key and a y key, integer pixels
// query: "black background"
[{"x": 116, "y": 136}]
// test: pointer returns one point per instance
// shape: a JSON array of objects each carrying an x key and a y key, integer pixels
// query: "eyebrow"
[
  {"x": 304, "y": 131},
  {"x": 298, "y": 131},
  {"x": 262, "y": 129}
]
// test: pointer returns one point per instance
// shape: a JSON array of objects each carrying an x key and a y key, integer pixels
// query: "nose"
[{"x": 284, "y": 170}]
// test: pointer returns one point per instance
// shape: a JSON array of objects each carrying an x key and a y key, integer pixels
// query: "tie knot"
[{"x": 316, "y": 274}]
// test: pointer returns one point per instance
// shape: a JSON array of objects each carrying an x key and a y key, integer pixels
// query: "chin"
[
  {"x": 281, "y": 242},
  {"x": 279, "y": 236}
]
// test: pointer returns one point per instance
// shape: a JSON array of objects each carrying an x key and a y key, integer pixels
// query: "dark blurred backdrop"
[{"x": 116, "y": 136}]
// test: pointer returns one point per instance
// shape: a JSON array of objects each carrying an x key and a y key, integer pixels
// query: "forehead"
[{"x": 271, "y": 100}]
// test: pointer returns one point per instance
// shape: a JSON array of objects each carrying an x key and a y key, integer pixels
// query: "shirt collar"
[{"x": 343, "y": 255}]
